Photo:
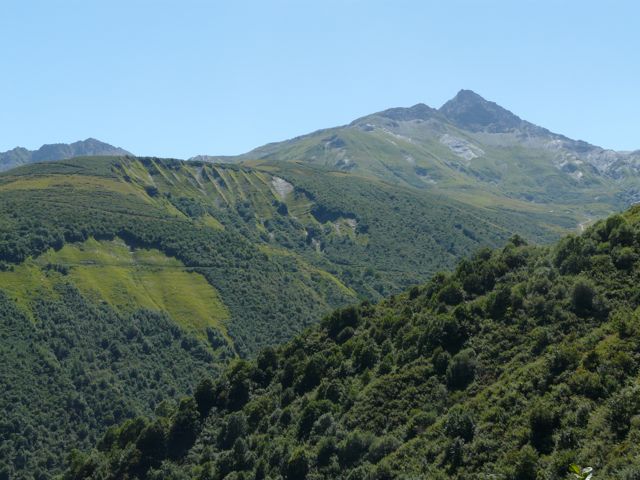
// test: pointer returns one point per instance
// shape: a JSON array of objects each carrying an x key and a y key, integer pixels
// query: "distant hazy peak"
[
  {"x": 90, "y": 146},
  {"x": 419, "y": 111},
  {"x": 57, "y": 151}
]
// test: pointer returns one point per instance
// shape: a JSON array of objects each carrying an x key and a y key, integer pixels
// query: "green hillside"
[
  {"x": 124, "y": 280},
  {"x": 521, "y": 362}
]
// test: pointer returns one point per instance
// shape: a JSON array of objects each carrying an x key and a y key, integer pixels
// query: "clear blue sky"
[{"x": 180, "y": 78}]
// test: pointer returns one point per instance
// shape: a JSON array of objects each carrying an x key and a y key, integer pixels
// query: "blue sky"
[{"x": 180, "y": 78}]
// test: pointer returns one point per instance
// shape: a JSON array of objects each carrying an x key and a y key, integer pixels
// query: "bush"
[
  {"x": 542, "y": 421},
  {"x": 563, "y": 358},
  {"x": 582, "y": 297},
  {"x": 419, "y": 423},
  {"x": 624, "y": 322},
  {"x": 340, "y": 319},
  {"x": 621, "y": 408},
  {"x": 381, "y": 447},
  {"x": 151, "y": 190},
  {"x": 629, "y": 473},
  {"x": 297, "y": 465},
  {"x": 459, "y": 424},
  {"x": 354, "y": 447},
  {"x": 451, "y": 294},
  {"x": 462, "y": 369}
]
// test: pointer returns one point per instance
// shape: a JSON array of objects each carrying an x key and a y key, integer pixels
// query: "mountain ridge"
[
  {"x": 57, "y": 151},
  {"x": 466, "y": 103},
  {"x": 469, "y": 148},
  {"x": 274, "y": 240}
]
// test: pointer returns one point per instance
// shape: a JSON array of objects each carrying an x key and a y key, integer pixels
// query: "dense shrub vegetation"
[
  {"x": 520, "y": 363},
  {"x": 77, "y": 367},
  {"x": 74, "y": 364}
]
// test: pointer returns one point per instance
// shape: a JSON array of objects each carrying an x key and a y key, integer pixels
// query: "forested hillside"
[
  {"x": 124, "y": 280},
  {"x": 520, "y": 362}
]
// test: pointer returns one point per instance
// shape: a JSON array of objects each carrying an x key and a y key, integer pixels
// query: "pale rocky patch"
[
  {"x": 282, "y": 187},
  {"x": 461, "y": 147}
]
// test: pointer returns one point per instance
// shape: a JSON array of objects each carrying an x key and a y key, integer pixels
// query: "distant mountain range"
[
  {"x": 464, "y": 124},
  {"x": 124, "y": 280},
  {"x": 473, "y": 150},
  {"x": 57, "y": 151}
]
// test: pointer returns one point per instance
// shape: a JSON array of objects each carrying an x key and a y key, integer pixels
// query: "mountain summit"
[
  {"x": 470, "y": 148},
  {"x": 57, "y": 151},
  {"x": 470, "y": 111}
]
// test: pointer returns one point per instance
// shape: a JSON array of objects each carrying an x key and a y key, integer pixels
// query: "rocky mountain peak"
[{"x": 470, "y": 111}]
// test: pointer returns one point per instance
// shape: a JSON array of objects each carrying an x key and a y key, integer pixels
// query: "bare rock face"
[
  {"x": 282, "y": 187},
  {"x": 461, "y": 147}
]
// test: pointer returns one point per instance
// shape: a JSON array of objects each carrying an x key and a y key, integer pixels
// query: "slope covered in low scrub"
[
  {"x": 124, "y": 281},
  {"x": 521, "y": 362}
]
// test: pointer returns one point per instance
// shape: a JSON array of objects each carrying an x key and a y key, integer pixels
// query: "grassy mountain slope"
[
  {"x": 522, "y": 361},
  {"x": 124, "y": 279},
  {"x": 128, "y": 279},
  {"x": 474, "y": 151}
]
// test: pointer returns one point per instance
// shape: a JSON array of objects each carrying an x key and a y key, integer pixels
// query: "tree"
[
  {"x": 297, "y": 465},
  {"x": 310, "y": 413},
  {"x": 340, "y": 319},
  {"x": 525, "y": 464},
  {"x": 205, "y": 396},
  {"x": 184, "y": 428},
  {"x": 234, "y": 428},
  {"x": 451, "y": 294},
  {"x": 582, "y": 297}
]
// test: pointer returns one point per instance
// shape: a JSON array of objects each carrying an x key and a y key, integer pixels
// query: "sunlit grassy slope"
[{"x": 127, "y": 279}]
